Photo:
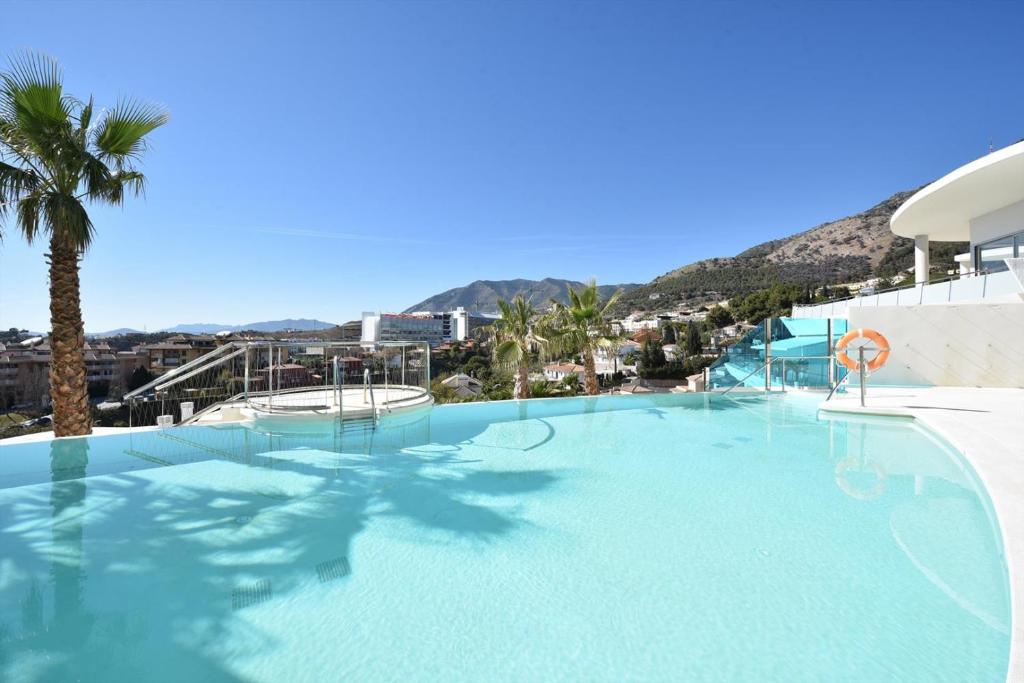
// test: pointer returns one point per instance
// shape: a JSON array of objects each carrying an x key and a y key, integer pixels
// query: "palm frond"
[
  {"x": 610, "y": 303},
  {"x": 85, "y": 117},
  {"x": 14, "y": 183},
  {"x": 28, "y": 215},
  {"x": 64, "y": 214},
  {"x": 32, "y": 87},
  {"x": 96, "y": 176},
  {"x": 120, "y": 135},
  {"x": 508, "y": 354}
]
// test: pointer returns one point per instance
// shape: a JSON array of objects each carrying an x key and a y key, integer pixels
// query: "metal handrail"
[
  {"x": 838, "y": 384},
  {"x": 193, "y": 373},
  {"x": 858, "y": 295},
  {"x": 171, "y": 374},
  {"x": 862, "y": 368},
  {"x": 373, "y": 402},
  {"x": 210, "y": 408},
  {"x": 748, "y": 376}
]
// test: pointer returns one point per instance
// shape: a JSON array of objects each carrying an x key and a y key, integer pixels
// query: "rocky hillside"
[
  {"x": 844, "y": 250},
  {"x": 483, "y": 295}
]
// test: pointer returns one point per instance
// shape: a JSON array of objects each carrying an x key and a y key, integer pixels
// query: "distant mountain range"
[
  {"x": 302, "y": 324},
  {"x": 114, "y": 333},
  {"x": 483, "y": 295}
]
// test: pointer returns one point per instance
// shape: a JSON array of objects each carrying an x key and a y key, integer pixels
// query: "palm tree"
[
  {"x": 53, "y": 157},
  {"x": 516, "y": 339},
  {"x": 583, "y": 327}
]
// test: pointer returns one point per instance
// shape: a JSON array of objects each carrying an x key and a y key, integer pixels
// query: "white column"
[{"x": 921, "y": 265}]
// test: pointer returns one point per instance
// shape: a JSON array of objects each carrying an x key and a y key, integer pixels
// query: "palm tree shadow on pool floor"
[{"x": 142, "y": 575}]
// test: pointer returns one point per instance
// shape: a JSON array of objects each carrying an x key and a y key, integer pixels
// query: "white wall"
[
  {"x": 1004, "y": 221},
  {"x": 951, "y": 345}
]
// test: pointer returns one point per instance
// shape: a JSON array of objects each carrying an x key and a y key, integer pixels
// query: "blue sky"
[{"x": 328, "y": 158}]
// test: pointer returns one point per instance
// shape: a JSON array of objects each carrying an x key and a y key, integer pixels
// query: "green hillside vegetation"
[
  {"x": 846, "y": 250},
  {"x": 901, "y": 257}
]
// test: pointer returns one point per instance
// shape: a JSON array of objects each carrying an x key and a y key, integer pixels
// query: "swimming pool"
[{"x": 621, "y": 538}]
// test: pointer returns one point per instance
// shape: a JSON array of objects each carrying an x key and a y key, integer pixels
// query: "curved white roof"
[{"x": 944, "y": 209}]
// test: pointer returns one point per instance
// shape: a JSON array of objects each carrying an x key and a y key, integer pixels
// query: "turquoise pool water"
[{"x": 660, "y": 538}]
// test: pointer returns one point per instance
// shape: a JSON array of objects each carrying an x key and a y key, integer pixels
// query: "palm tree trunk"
[
  {"x": 522, "y": 389},
  {"x": 68, "y": 391},
  {"x": 590, "y": 373}
]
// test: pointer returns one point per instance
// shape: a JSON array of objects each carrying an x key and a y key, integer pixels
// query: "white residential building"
[
  {"x": 965, "y": 331},
  {"x": 556, "y": 372},
  {"x": 632, "y": 325}
]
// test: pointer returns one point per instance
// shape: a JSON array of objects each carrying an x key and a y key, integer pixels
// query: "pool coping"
[{"x": 982, "y": 424}]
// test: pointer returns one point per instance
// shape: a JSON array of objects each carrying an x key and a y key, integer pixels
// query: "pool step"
[
  {"x": 358, "y": 424},
  {"x": 330, "y": 570},
  {"x": 251, "y": 594}
]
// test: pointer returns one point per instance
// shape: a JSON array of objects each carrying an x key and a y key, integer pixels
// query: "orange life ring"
[{"x": 878, "y": 361}]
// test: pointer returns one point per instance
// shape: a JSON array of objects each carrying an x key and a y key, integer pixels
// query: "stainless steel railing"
[
  {"x": 284, "y": 376},
  {"x": 369, "y": 384},
  {"x": 165, "y": 378}
]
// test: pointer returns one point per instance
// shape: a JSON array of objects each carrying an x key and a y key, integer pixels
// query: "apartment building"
[{"x": 25, "y": 371}]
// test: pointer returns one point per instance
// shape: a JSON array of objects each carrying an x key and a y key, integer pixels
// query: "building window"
[{"x": 990, "y": 256}]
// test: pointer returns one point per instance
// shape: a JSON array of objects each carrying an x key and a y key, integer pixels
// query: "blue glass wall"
[{"x": 799, "y": 352}]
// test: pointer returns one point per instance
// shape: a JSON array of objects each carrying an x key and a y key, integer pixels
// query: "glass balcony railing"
[{"x": 781, "y": 353}]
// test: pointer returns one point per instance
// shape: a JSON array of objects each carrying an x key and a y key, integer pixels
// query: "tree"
[
  {"x": 582, "y": 327},
  {"x": 693, "y": 341},
  {"x": 668, "y": 334},
  {"x": 516, "y": 341},
  {"x": 540, "y": 389},
  {"x": 652, "y": 355},
  {"x": 141, "y": 376},
  {"x": 777, "y": 300},
  {"x": 571, "y": 384},
  {"x": 59, "y": 158},
  {"x": 719, "y": 317}
]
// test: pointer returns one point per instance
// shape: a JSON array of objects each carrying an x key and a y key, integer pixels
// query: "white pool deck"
[{"x": 987, "y": 427}]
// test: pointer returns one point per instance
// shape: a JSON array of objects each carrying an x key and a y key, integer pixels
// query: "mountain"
[
  {"x": 114, "y": 333},
  {"x": 483, "y": 295},
  {"x": 844, "y": 250},
  {"x": 265, "y": 326}
]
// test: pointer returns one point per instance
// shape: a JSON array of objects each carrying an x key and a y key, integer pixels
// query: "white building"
[
  {"x": 632, "y": 324},
  {"x": 965, "y": 331},
  {"x": 981, "y": 202},
  {"x": 429, "y": 326},
  {"x": 556, "y": 372}
]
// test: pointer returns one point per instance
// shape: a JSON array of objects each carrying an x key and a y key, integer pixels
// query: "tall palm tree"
[
  {"x": 54, "y": 157},
  {"x": 583, "y": 327},
  {"x": 517, "y": 338}
]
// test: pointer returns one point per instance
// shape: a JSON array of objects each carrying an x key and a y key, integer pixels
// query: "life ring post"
[
  {"x": 862, "y": 366},
  {"x": 863, "y": 374}
]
